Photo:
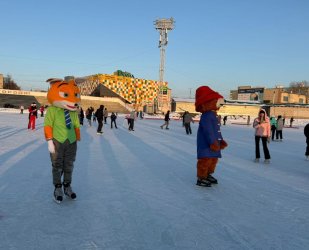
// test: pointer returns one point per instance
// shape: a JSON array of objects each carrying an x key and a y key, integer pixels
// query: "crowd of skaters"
[
  {"x": 99, "y": 116},
  {"x": 33, "y": 114},
  {"x": 266, "y": 129}
]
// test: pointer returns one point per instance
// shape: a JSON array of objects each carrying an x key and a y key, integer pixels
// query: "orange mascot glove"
[
  {"x": 223, "y": 144},
  {"x": 215, "y": 146}
]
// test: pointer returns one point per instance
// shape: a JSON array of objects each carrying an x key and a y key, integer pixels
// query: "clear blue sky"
[{"x": 220, "y": 43}]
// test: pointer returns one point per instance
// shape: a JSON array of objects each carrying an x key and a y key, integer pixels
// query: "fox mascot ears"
[{"x": 63, "y": 94}]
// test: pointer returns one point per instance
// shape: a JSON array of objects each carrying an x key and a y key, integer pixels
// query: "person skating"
[
  {"x": 291, "y": 121},
  {"x": 62, "y": 131},
  {"x": 113, "y": 120},
  {"x": 224, "y": 120},
  {"x": 89, "y": 115},
  {"x": 33, "y": 112},
  {"x": 187, "y": 120},
  {"x": 131, "y": 120},
  {"x": 261, "y": 125},
  {"x": 99, "y": 114},
  {"x": 166, "y": 120},
  {"x": 209, "y": 137},
  {"x": 81, "y": 116},
  {"x": 273, "y": 124},
  {"x": 105, "y": 113},
  {"x": 42, "y": 110},
  {"x": 279, "y": 128}
]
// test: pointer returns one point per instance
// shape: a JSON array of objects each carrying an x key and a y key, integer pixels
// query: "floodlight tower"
[{"x": 163, "y": 26}]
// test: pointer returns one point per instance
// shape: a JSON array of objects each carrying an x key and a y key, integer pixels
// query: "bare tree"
[
  {"x": 9, "y": 83},
  {"x": 301, "y": 87}
]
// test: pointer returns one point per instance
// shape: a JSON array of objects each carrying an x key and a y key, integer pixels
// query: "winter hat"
[{"x": 204, "y": 94}]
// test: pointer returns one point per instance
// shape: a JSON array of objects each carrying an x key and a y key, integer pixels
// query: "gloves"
[
  {"x": 77, "y": 132},
  {"x": 223, "y": 144},
  {"x": 51, "y": 146},
  {"x": 215, "y": 146}
]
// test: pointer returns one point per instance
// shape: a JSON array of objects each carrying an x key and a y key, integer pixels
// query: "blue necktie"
[{"x": 67, "y": 118}]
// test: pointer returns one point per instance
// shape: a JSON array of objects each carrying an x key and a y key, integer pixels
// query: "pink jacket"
[{"x": 262, "y": 129}]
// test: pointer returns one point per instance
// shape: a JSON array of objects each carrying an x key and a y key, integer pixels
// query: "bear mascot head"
[{"x": 206, "y": 100}]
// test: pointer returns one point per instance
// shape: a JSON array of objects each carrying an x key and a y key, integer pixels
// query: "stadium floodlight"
[{"x": 163, "y": 26}]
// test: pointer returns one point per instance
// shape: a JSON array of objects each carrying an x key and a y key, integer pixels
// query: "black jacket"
[
  {"x": 99, "y": 113},
  {"x": 306, "y": 130},
  {"x": 113, "y": 117},
  {"x": 167, "y": 117},
  {"x": 89, "y": 114}
]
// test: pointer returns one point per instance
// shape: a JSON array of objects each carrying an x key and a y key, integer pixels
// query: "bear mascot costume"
[
  {"x": 209, "y": 138},
  {"x": 61, "y": 128}
]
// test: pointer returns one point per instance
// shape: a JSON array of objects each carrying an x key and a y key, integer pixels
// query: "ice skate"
[
  {"x": 68, "y": 191},
  {"x": 256, "y": 160},
  {"x": 212, "y": 179},
  {"x": 203, "y": 182},
  {"x": 58, "y": 194},
  {"x": 266, "y": 161}
]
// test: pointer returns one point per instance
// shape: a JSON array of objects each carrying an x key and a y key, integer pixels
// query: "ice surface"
[{"x": 136, "y": 190}]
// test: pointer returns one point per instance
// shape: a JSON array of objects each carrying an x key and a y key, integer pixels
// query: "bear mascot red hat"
[{"x": 209, "y": 138}]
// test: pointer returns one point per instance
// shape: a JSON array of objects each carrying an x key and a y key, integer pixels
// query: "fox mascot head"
[{"x": 63, "y": 94}]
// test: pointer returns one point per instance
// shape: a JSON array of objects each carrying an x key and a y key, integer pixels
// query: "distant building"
[
  {"x": 277, "y": 95},
  {"x": 181, "y": 105},
  {"x": 250, "y": 94},
  {"x": 1, "y": 81},
  {"x": 233, "y": 94},
  {"x": 147, "y": 95},
  {"x": 280, "y": 95}
]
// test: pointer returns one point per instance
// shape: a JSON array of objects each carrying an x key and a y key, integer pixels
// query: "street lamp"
[{"x": 274, "y": 94}]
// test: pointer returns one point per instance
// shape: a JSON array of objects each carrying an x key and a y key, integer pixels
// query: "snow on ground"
[{"x": 136, "y": 190}]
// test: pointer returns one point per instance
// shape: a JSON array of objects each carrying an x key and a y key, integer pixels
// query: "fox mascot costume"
[
  {"x": 61, "y": 128},
  {"x": 209, "y": 138}
]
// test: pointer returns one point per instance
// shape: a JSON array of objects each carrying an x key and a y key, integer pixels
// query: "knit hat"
[{"x": 204, "y": 94}]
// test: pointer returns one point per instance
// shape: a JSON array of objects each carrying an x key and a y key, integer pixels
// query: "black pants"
[
  {"x": 188, "y": 128},
  {"x": 307, "y": 148},
  {"x": 279, "y": 134},
  {"x": 257, "y": 147},
  {"x": 100, "y": 122},
  {"x": 113, "y": 121},
  {"x": 131, "y": 124},
  {"x": 273, "y": 131}
]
